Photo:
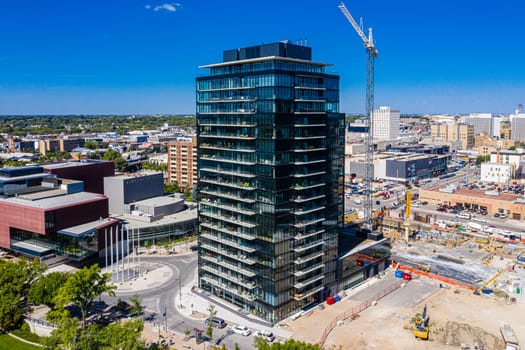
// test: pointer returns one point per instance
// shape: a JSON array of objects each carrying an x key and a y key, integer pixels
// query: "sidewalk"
[{"x": 195, "y": 304}]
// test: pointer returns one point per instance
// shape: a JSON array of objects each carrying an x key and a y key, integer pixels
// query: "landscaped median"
[{"x": 11, "y": 343}]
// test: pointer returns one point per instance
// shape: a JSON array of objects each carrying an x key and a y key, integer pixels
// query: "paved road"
[{"x": 163, "y": 299}]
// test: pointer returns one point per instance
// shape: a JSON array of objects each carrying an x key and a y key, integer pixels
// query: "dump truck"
[{"x": 421, "y": 329}]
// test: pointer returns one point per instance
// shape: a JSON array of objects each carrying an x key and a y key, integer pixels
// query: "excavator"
[{"x": 421, "y": 329}]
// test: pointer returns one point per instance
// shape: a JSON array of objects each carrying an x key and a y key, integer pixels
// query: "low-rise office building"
[{"x": 490, "y": 201}]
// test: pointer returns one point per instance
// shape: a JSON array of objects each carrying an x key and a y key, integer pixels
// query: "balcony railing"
[
  {"x": 302, "y": 199},
  {"x": 242, "y": 185},
  {"x": 303, "y": 211},
  {"x": 306, "y": 258},
  {"x": 228, "y": 243},
  {"x": 299, "y": 273},
  {"x": 228, "y": 196},
  {"x": 228, "y": 207},
  {"x": 227, "y": 172},
  {"x": 304, "y": 247},
  {"x": 302, "y": 284},
  {"x": 235, "y": 268},
  {"x": 243, "y": 282},
  {"x": 305, "y": 294},
  {"x": 309, "y": 233},
  {"x": 230, "y": 219},
  {"x": 229, "y": 232},
  {"x": 226, "y": 160}
]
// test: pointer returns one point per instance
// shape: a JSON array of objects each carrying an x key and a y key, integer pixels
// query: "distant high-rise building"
[
  {"x": 271, "y": 158},
  {"x": 482, "y": 123},
  {"x": 182, "y": 162},
  {"x": 517, "y": 122},
  {"x": 385, "y": 122},
  {"x": 459, "y": 135}
]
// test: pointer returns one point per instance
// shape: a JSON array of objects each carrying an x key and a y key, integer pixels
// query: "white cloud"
[{"x": 170, "y": 7}]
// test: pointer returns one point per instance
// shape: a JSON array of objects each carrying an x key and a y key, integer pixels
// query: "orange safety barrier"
[{"x": 436, "y": 277}]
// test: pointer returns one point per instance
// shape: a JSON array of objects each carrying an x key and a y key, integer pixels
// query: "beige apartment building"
[
  {"x": 485, "y": 146},
  {"x": 453, "y": 132},
  {"x": 182, "y": 162}
]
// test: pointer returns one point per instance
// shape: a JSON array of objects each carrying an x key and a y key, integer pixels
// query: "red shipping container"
[{"x": 407, "y": 276}]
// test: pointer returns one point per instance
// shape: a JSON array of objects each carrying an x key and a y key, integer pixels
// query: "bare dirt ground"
[{"x": 457, "y": 317}]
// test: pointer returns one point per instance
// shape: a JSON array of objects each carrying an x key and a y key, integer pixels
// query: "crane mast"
[{"x": 371, "y": 54}]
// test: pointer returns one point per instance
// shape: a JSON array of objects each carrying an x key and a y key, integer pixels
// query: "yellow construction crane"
[
  {"x": 489, "y": 281},
  {"x": 371, "y": 54}
]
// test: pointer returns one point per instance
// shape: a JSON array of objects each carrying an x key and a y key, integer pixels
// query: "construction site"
[{"x": 449, "y": 285}]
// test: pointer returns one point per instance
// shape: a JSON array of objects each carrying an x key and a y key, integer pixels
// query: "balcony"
[
  {"x": 228, "y": 196},
  {"x": 222, "y": 262},
  {"x": 301, "y": 187},
  {"x": 240, "y": 87},
  {"x": 302, "y": 284},
  {"x": 304, "y": 247},
  {"x": 226, "y": 160},
  {"x": 228, "y": 207},
  {"x": 302, "y": 150},
  {"x": 238, "y": 111},
  {"x": 225, "y": 172},
  {"x": 306, "y": 258},
  {"x": 230, "y": 243},
  {"x": 228, "y": 184},
  {"x": 230, "y": 220},
  {"x": 229, "y": 232},
  {"x": 229, "y": 149},
  {"x": 309, "y": 161},
  {"x": 303, "y": 211},
  {"x": 300, "y": 224},
  {"x": 300, "y": 175},
  {"x": 310, "y": 233},
  {"x": 299, "y": 273},
  {"x": 306, "y": 294},
  {"x": 302, "y": 199},
  {"x": 242, "y": 282},
  {"x": 309, "y": 137}
]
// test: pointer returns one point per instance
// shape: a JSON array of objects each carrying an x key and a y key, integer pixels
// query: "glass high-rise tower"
[{"x": 270, "y": 169}]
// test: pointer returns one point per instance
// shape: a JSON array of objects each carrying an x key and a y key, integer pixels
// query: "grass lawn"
[{"x": 8, "y": 342}]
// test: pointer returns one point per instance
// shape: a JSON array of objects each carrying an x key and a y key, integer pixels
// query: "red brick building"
[
  {"x": 30, "y": 224},
  {"x": 90, "y": 171}
]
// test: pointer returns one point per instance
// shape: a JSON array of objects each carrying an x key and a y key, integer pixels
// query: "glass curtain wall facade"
[{"x": 270, "y": 168}]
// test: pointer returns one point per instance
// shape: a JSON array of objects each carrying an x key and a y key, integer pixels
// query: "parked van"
[{"x": 217, "y": 322}]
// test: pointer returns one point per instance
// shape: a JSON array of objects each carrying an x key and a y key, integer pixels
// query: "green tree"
[
  {"x": 136, "y": 304},
  {"x": 211, "y": 315},
  {"x": 482, "y": 159},
  {"x": 43, "y": 290},
  {"x": 172, "y": 187},
  {"x": 91, "y": 144},
  {"x": 187, "y": 193},
  {"x": 121, "y": 164},
  {"x": 115, "y": 336},
  {"x": 15, "y": 281},
  {"x": 81, "y": 289},
  {"x": 111, "y": 154}
]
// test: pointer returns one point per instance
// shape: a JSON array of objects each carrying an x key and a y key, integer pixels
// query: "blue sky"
[{"x": 135, "y": 56}]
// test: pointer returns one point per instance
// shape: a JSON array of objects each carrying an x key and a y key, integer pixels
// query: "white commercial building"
[
  {"x": 496, "y": 172},
  {"x": 482, "y": 123},
  {"x": 385, "y": 123},
  {"x": 517, "y": 123}
]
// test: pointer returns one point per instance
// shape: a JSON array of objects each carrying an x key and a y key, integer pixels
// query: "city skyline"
[{"x": 142, "y": 57}]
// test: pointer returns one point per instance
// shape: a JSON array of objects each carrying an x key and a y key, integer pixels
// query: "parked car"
[
  {"x": 217, "y": 322},
  {"x": 241, "y": 330},
  {"x": 268, "y": 336},
  {"x": 503, "y": 216}
]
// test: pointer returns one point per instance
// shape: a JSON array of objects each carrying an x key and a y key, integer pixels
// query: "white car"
[
  {"x": 268, "y": 336},
  {"x": 241, "y": 330}
]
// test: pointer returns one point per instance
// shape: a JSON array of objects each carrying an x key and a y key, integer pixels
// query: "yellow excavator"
[{"x": 421, "y": 328}]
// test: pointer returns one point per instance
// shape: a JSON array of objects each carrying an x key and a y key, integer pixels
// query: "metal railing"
[{"x": 355, "y": 310}]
